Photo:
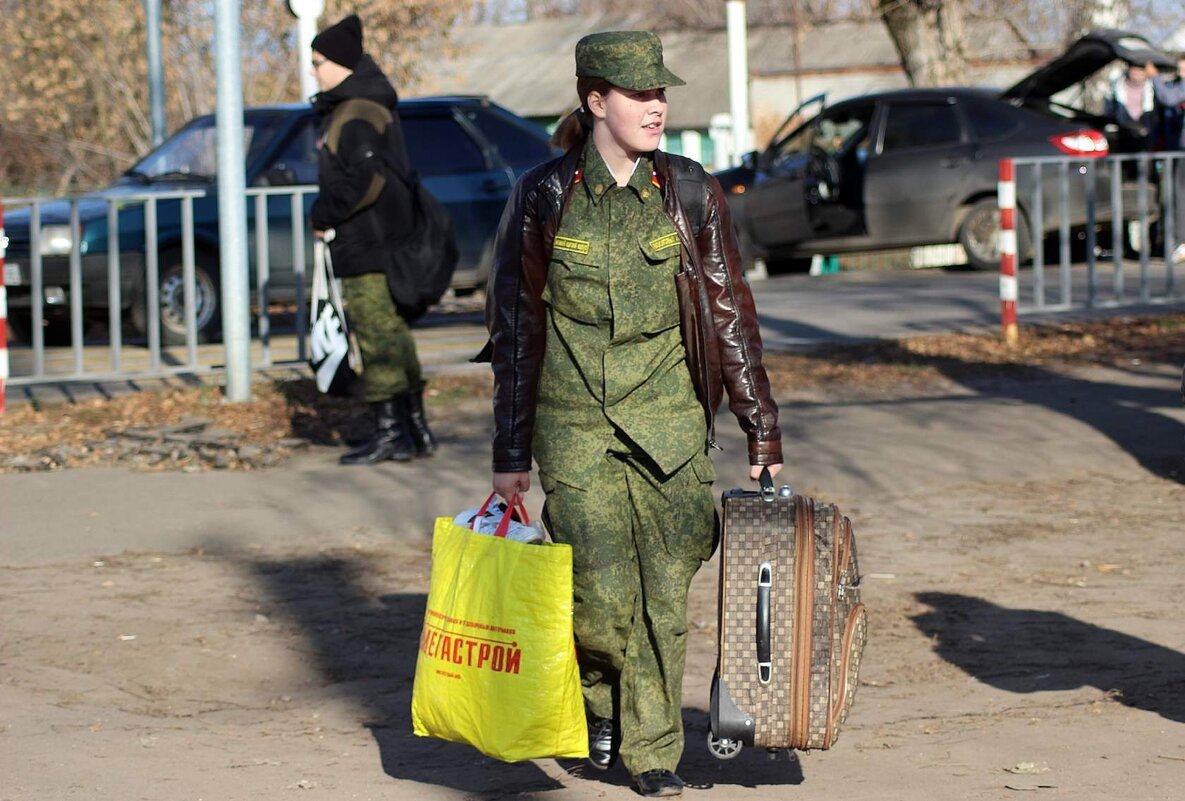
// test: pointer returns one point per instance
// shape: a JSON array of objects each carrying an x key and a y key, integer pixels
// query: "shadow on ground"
[
  {"x": 365, "y": 645},
  {"x": 1128, "y": 414},
  {"x": 1030, "y": 651}
]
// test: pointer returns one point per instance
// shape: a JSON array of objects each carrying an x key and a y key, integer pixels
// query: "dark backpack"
[
  {"x": 420, "y": 263},
  {"x": 691, "y": 185}
]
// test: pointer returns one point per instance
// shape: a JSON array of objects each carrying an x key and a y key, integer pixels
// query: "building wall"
[{"x": 529, "y": 69}]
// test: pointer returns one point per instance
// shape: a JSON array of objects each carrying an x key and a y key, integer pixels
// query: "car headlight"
[{"x": 56, "y": 240}]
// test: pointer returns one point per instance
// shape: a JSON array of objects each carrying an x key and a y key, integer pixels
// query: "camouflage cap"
[{"x": 629, "y": 59}]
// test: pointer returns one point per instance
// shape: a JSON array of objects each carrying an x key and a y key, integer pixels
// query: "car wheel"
[
  {"x": 207, "y": 309},
  {"x": 977, "y": 235}
]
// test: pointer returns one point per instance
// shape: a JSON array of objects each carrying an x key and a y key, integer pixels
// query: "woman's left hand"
[{"x": 755, "y": 470}]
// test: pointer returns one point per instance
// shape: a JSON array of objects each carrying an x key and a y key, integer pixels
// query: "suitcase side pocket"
[
  {"x": 850, "y": 622},
  {"x": 854, "y": 636}
]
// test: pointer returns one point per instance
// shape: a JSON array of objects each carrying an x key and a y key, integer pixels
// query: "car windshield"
[{"x": 192, "y": 153}]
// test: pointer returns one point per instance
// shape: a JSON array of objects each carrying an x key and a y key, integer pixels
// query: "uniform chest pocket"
[
  {"x": 655, "y": 277},
  {"x": 660, "y": 246},
  {"x": 578, "y": 282}
]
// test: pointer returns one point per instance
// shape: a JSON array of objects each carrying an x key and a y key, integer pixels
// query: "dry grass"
[
  {"x": 293, "y": 408},
  {"x": 972, "y": 358}
]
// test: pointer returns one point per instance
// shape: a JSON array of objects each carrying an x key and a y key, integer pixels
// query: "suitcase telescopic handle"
[{"x": 765, "y": 582}]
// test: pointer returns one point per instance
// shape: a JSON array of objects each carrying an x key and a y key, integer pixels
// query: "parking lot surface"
[{"x": 253, "y": 635}]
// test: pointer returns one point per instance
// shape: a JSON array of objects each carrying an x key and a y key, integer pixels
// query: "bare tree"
[
  {"x": 930, "y": 39},
  {"x": 75, "y": 110},
  {"x": 668, "y": 14}
]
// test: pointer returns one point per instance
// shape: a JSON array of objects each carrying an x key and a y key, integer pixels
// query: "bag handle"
[
  {"x": 324, "y": 282},
  {"x": 334, "y": 294},
  {"x": 320, "y": 288},
  {"x": 326, "y": 290},
  {"x": 515, "y": 508}
]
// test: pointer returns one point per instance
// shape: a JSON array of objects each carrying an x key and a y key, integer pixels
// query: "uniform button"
[
  {"x": 600, "y": 188},
  {"x": 645, "y": 194}
]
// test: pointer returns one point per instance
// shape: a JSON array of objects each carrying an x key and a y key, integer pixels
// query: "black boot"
[
  {"x": 391, "y": 439},
  {"x": 422, "y": 435}
]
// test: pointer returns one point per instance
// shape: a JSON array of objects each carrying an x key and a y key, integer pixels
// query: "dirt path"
[{"x": 1021, "y": 544}]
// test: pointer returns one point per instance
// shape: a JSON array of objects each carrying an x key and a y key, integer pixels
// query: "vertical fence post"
[
  {"x": 1006, "y": 243},
  {"x": 3, "y": 313}
]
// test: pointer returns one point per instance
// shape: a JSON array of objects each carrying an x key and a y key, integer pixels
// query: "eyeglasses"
[{"x": 317, "y": 62}]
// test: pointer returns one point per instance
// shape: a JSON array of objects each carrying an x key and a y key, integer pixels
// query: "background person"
[
  {"x": 360, "y": 141},
  {"x": 1170, "y": 93},
  {"x": 1131, "y": 100},
  {"x": 616, "y": 323}
]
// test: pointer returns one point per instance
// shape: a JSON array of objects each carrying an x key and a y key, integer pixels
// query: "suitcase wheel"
[{"x": 722, "y": 747}]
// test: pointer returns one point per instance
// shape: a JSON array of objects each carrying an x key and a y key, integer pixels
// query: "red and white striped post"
[
  {"x": 3, "y": 314},
  {"x": 1006, "y": 242}
]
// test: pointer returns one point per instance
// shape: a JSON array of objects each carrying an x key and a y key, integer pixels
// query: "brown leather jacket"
[{"x": 719, "y": 321}]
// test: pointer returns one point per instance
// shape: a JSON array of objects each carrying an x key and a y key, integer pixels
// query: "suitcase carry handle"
[
  {"x": 766, "y": 480},
  {"x": 765, "y": 581}
]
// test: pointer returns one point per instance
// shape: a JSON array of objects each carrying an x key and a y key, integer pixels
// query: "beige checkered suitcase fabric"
[{"x": 757, "y": 531}]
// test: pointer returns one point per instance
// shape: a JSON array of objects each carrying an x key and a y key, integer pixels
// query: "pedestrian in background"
[
  {"x": 367, "y": 207},
  {"x": 618, "y": 316},
  {"x": 1170, "y": 93},
  {"x": 1132, "y": 101}
]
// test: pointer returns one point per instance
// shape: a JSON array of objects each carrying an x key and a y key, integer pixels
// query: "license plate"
[{"x": 12, "y": 274}]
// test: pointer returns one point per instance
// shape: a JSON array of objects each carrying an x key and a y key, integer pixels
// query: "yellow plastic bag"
[{"x": 497, "y": 661}]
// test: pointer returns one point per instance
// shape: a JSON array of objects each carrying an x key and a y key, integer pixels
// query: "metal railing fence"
[
  {"x": 1133, "y": 202},
  {"x": 122, "y": 246}
]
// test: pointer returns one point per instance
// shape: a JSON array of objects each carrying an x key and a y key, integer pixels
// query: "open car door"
[{"x": 808, "y": 185}]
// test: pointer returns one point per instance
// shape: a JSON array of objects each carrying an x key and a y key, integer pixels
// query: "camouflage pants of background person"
[
  {"x": 390, "y": 365},
  {"x": 637, "y": 541}
]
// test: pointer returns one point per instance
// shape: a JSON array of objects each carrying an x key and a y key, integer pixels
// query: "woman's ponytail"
[{"x": 573, "y": 130}]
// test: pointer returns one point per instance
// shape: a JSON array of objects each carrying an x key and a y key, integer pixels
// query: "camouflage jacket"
[{"x": 718, "y": 319}]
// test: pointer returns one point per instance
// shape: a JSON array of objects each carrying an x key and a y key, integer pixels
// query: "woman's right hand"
[{"x": 508, "y": 485}]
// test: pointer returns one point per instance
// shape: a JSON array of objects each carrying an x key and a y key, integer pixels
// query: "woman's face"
[{"x": 634, "y": 117}]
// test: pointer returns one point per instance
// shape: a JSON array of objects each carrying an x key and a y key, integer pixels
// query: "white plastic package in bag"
[{"x": 489, "y": 516}]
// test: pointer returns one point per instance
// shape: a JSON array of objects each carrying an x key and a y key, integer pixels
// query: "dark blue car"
[{"x": 468, "y": 150}]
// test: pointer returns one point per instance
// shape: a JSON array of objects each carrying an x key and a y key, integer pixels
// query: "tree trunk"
[{"x": 930, "y": 39}]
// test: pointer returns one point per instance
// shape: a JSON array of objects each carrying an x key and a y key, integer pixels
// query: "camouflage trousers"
[
  {"x": 389, "y": 361},
  {"x": 637, "y": 541}
]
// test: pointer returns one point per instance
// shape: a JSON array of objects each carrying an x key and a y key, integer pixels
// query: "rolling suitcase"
[{"x": 791, "y": 625}]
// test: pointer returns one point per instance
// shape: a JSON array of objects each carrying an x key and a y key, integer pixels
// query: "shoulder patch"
[
  {"x": 571, "y": 245},
  {"x": 356, "y": 109}
]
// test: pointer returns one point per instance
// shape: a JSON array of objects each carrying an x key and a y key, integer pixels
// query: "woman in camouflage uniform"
[{"x": 618, "y": 316}]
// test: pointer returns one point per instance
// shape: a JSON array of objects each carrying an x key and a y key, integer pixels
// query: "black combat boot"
[
  {"x": 391, "y": 439},
  {"x": 424, "y": 438}
]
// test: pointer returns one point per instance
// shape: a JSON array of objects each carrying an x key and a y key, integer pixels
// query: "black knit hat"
[{"x": 341, "y": 43}]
